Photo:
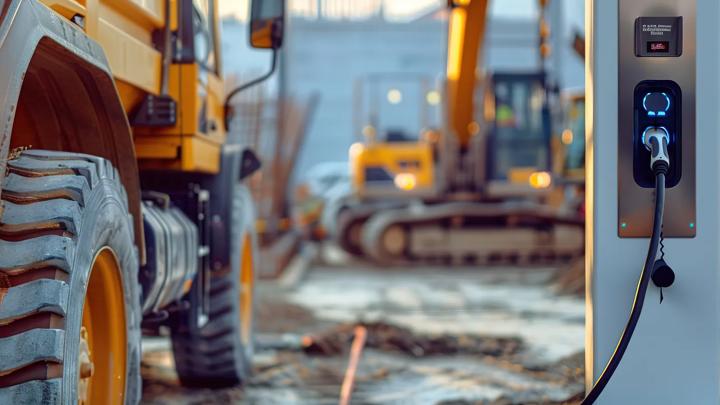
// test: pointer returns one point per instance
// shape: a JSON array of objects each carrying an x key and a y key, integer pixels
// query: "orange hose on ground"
[{"x": 355, "y": 353}]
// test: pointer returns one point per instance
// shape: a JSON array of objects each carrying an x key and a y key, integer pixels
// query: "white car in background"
[
  {"x": 320, "y": 192},
  {"x": 323, "y": 177}
]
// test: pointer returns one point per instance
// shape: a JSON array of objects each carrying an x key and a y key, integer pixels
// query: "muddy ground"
[{"x": 435, "y": 336}]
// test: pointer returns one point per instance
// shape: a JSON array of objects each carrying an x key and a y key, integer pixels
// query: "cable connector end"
[{"x": 656, "y": 140}]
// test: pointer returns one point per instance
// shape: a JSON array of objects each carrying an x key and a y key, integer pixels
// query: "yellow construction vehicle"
[
  {"x": 394, "y": 158},
  {"x": 569, "y": 153},
  {"x": 393, "y": 161},
  {"x": 475, "y": 190},
  {"x": 572, "y": 152},
  {"x": 123, "y": 207}
]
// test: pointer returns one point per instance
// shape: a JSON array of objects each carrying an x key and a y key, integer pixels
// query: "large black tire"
[
  {"x": 60, "y": 210},
  {"x": 216, "y": 355}
]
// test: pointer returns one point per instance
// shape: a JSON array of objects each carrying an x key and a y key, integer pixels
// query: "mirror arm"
[
  {"x": 167, "y": 55},
  {"x": 246, "y": 86}
]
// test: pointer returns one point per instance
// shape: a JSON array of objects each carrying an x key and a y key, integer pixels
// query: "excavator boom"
[{"x": 466, "y": 34}]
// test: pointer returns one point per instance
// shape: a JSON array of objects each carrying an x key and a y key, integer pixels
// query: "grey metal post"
[{"x": 674, "y": 355}]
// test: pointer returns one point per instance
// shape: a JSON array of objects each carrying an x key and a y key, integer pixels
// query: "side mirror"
[
  {"x": 249, "y": 164},
  {"x": 267, "y": 28},
  {"x": 267, "y": 24}
]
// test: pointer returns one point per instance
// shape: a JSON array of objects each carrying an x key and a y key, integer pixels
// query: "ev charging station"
[{"x": 653, "y": 71}]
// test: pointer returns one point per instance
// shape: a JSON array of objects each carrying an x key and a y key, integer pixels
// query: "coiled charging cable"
[{"x": 656, "y": 139}]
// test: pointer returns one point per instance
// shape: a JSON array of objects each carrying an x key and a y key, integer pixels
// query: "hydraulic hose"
[{"x": 660, "y": 170}]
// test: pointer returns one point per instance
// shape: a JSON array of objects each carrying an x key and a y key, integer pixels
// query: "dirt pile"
[{"x": 391, "y": 338}]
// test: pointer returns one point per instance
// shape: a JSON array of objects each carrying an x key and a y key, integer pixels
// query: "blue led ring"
[
  {"x": 667, "y": 133},
  {"x": 657, "y": 113}
]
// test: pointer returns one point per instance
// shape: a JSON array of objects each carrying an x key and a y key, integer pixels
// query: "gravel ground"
[{"x": 446, "y": 336}]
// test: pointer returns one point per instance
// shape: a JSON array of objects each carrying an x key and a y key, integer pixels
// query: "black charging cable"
[{"x": 660, "y": 164}]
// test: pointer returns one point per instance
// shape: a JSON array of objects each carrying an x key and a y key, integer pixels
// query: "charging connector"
[{"x": 656, "y": 140}]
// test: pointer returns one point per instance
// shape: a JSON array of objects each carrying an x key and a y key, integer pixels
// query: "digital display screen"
[
  {"x": 658, "y": 36},
  {"x": 658, "y": 46}
]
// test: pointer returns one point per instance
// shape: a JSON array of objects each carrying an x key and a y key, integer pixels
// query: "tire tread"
[{"x": 44, "y": 196}]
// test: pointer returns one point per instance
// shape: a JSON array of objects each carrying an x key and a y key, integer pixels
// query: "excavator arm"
[{"x": 466, "y": 33}]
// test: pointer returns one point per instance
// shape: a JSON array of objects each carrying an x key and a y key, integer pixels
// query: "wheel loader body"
[
  {"x": 91, "y": 64},
  {"x": 125, "y": 96}
]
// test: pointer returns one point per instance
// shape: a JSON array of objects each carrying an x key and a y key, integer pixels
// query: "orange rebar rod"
[{"x": 355, "y": 353}]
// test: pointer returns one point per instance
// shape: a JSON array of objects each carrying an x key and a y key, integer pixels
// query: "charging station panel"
[
  {"x": 673, "y": 355},
  {"x": 657, "y": 105},
  {"x": 656, "y": 89}
]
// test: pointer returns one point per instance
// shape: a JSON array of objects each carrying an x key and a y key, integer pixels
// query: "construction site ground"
[{"x": 435, "y": 335}]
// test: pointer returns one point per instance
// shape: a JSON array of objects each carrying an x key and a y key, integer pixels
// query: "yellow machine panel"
[
  {"x": 406, "y": 168},
  {"x": 124, "y": 29}
]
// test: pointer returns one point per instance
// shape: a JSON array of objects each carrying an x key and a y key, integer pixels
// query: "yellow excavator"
[
  {"x": 122, "y": 204},
  {"x": 476, "y": 190}
]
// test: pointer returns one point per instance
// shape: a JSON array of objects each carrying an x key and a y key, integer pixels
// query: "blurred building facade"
[
  {"x": 329, "y": 56},
  {"x": 330, "y": 44}
]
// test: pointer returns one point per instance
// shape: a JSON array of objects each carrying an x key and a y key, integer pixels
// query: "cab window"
[{"x": 204, "y": 34}]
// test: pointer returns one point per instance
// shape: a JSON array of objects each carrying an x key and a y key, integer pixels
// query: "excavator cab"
[
  {"x": 572, "y": 138},
  {"x": 518, "y": 144}
]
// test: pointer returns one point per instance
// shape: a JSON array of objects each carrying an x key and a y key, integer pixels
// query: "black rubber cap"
[{"x": 663, "y": 276}]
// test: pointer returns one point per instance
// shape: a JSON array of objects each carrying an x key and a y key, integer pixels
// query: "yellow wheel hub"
[
  {"x": 103, "y": 338},
  {"x": 247, "y": 281}
]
